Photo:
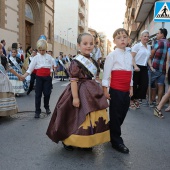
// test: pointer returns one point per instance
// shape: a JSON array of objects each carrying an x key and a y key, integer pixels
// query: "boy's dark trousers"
[
  {"x": 32, "y": 80},
  {"x": 43, "y": 85},
  {"x": 119, "y": 105}
]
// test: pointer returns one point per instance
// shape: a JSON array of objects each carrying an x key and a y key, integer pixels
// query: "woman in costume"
[
  {"x": 80, "y": 118},
  {"x": 26, "y": 61},
  {"x": 8, "y": 105},
  {"x": 61, "y": 69}
]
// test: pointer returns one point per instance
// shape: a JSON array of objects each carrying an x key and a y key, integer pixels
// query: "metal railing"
[{"x": 63, "y": 41}]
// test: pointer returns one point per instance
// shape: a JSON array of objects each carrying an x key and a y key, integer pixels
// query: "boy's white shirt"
[
  {"x": 117, "y": 60},
  {"x": 40, "y": 61}
]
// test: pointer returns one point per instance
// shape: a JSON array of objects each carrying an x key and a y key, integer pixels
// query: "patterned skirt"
[
  {"x": 18, "y": 86},
  {"x": 8, "y": 105},
  {"x": 61, "y": 72},
  {"x": 93, "y": 131}
]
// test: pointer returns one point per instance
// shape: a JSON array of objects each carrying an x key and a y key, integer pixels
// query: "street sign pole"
[{"x": 163, "y": 24}]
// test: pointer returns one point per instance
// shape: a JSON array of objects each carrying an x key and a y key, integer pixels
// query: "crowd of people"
[
  {"x": 80, "y": 117},
  {"x": 152, "y": 70}
]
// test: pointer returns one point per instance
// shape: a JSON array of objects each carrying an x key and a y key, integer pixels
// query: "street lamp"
[{"x": 67, "y": 32}]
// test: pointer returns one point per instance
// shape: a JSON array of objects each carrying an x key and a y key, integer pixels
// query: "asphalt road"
[{"x": 25, "y": 146}]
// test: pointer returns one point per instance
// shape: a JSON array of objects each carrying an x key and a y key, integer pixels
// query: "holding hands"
[{"x": 21, "y": 77}]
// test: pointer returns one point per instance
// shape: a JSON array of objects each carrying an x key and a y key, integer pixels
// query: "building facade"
[
  {"x": 139, "y": 16},
  {"x": 71, "y": 19},
  {"x": 103, "y": 39},
  {"x": 23, "y": 21}
]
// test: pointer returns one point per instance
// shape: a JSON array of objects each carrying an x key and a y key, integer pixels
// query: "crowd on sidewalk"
[{"x": 152, "y": 74}]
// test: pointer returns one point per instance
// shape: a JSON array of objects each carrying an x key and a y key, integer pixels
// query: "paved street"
[{"x": 25, "y": 146}]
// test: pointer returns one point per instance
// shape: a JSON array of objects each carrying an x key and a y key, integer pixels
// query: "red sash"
[
  {"x": 43, "y": 72},
  {"x": 120, "y": 80},
  {"x": 34, "y": 71}
]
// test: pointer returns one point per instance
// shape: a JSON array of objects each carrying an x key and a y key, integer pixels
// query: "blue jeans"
[{"x": 156, "y": 77}]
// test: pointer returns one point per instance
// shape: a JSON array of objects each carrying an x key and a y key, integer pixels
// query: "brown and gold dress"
[{"x": 87, "y": 125}]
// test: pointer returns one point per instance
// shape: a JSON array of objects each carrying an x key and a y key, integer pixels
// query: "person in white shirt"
[
  {"x": 43, "y": 63},
  {"x": 118, "y": 70},
  {"x": 20, "y": 50},
  {"x": 141, "y": 53}
]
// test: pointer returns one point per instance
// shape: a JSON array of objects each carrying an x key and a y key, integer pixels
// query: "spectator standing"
[
  {"x": 141, "y": 53},
  {"x": 158, "y": 64}
]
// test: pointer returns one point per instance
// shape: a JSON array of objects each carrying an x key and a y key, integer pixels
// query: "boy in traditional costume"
[
  {"x": 43, "y": 63},
  {"x": 118, "y": 69}
]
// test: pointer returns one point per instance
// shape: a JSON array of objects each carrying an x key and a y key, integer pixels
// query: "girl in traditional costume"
[
  {"x": 16, "y": 63},
  {"x": 8, "y": 105},
  {"x": 80, "y": 118}
]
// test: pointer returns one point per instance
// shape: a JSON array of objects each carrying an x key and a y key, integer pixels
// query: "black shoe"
[
  {"x": 28, "y": 92},
  {"x": 87, "y": 149},
  {"x": 68, "y": 148},
  {"x": 37, "y": 115},
  {"x": 48, "y": 111},
  {"x": 17, "y": 95},
  {"x": 121, "y": 148},
  {"x": 60, "y": 79}
]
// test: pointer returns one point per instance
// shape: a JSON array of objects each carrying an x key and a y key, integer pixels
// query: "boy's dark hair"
[
  {"x": 15, "y": 45},
  {"x": 118, "y": 31},
  {"x": 164, "y": 31}
]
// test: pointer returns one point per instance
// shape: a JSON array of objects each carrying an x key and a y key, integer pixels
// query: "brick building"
[{"x": 25, "y": 20}]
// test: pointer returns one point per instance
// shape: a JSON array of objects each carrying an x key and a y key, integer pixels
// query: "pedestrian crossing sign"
[{"x": 162, "y": 12}]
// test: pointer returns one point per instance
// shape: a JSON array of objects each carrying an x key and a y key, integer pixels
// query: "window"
[
  {"x": 49, "y": 31},
  {"x": 28, "y": 12}
]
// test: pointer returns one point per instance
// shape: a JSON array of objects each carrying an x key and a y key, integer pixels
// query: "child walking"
[
  {"x": 16, "y": 63},
  {"x": 118, "y": 68},
  {"x": 80, "y": 117},
  {"x": 43, "y": 64}
]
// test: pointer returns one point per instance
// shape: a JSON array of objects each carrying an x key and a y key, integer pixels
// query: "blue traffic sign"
[{"x": 162, "y": 12}]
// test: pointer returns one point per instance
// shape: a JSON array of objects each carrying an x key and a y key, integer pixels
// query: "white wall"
[
  {"x": 58, "y": 47},
  {"x": 5, "y": 34},
  {"x": 66, "y": 16}
]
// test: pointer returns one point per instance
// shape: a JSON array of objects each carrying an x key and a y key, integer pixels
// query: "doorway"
[{"x": 28, "y": 27}]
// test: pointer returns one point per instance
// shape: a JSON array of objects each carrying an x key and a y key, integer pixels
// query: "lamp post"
[{"x": 67, "y": 32}]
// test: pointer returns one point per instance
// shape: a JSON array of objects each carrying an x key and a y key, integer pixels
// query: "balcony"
[
  {"x": 129, "y": 3},
  {"x": 82, "y": 2},
  {"x": 81, "y": 24},
  {"x": 133, "y": 30},
  {"x": 142, "y": 10},
  {"x": 81, "y": 12},
  {"x": 132, "y": 9}
]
